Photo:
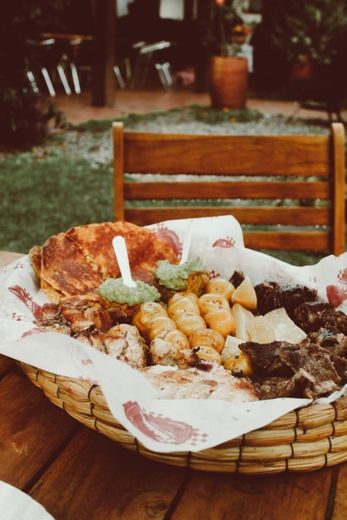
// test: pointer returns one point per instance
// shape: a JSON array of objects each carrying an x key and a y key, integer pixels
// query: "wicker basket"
[{"x": 307, "y": 439}]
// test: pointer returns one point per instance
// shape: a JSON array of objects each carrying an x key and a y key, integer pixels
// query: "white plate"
[{"x": 15, "y": 505}]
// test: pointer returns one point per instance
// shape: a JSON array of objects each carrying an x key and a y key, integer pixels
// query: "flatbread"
[
  {"x": 65, "y": 268},
  {"x": 79, "y": 260},
  {"x": 35, "y": 255},
  {"x": 144, "y": 248}
]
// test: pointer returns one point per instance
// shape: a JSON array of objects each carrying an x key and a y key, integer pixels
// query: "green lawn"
[
  {"x": 68, "y": 180},
  {"x": 42, "y": 196}
]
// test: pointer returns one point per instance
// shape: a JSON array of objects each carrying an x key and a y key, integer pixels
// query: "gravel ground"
[{"x": 97, "y": 145}]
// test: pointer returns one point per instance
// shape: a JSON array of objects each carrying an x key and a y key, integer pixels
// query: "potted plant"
[
  {"x": 225, "y": 36},
  {"x": 312, "y": 37}
]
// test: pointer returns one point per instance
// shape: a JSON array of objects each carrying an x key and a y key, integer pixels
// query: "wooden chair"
[{"x": 303, "y": 177}]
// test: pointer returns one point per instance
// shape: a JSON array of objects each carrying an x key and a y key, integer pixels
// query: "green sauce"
[
  {"x": 174, "y": 276},
  {"x": 114, "y": 290}
]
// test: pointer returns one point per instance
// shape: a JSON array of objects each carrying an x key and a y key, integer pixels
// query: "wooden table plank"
[
  {"x": 105, "y": 481},
  {"x": 276, "y": 497},
  {"x": 32, "y": 429},
  {"x": 340, "y": 503},
  {"x": 6, "y": 364},
  {"x": 6, "y": 257}
]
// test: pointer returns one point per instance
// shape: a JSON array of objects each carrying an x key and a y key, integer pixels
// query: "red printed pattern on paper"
[
  {"x": 336, "y": 294},
  {"x": 170, "y": 237},
  {"x": 23, "y": 295},
  {"x": 160, "y": 428},
  {"x": 224, "y": 242},
  {"x": 342, "y": 276}
]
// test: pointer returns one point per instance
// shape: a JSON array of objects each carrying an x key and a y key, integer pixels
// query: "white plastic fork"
[
  {"x": 120, "y": 250},
  {"x": 186, "y": 242}
]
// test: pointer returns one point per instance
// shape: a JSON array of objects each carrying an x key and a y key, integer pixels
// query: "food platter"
[{"x": 217, "y": 340}]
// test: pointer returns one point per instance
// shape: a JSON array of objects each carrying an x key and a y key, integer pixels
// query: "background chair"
[
  {"x": 152, "y": 55},
  {"x": 292, "y": 187}
]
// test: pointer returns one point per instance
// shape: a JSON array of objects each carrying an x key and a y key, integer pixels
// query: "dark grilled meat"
[
  {"x": 290, "y": 298},
  {"x": 311, "y": 367},
  {"x": 301, "y": 384},
  {"x": 268, "y": 297},
  {"x": 309, "y": 316},
  {"x": 330, "y": 340},
  {"x": 271, "y": 296},
  {"x": 313, "y": 316},
  {"x": 237, "y": 278}
]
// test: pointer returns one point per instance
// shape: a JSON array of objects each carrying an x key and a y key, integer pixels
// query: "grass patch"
[{"x": 45, "y": 196}]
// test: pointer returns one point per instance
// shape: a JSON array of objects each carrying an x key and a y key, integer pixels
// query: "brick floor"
[{"x": 78, "y": 108}]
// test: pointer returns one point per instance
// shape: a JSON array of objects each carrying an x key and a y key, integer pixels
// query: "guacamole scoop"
[
  {"x": 174, "y": 276},
  {"x": 115, "y": 290}
]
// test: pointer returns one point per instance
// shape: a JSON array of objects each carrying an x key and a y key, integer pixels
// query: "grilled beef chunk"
[
  {"x": 329, "y": 340},
  {"x": 301, "y": 384},
  {"x": 268, "y": 297},
  {"x": 237, "y": 278},
  {"x": 296, "y": 370},
  {"x": 292, "y": 297},
  {"x": 309, "y": 316},
  {"x": 314, "y": 316},
  {"x": 271, "y": 296}
]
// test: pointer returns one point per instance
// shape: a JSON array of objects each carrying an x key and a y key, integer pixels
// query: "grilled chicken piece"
[
  {"x": 84, "y": 312},
  {"x": 163, "y": 352},
  {"x": 173, "y": 383},
  {"x": 122, "y": 342}
]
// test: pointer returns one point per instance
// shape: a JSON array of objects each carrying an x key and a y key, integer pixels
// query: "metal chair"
[{"x": 149, "y": 57}]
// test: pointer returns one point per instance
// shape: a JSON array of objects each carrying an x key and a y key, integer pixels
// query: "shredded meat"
[{"x": 283, "y": 369}]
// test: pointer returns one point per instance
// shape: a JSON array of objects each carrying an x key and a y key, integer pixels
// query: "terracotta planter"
[
  {"x": 302, "y": 70},
  {"x": 228, "y": 81}
]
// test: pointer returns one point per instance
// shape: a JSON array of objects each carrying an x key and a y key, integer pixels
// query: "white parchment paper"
[{"x": 162, "y": 425}]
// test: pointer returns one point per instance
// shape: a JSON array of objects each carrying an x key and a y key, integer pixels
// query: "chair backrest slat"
[
  {"x": 223, "y": 155},
  {"x": 317, "y": 240},
  {"x": 285, "y": 182},
  {"x": 227, "y": 190},
  {"x": 288, "y": 216},
  {"x": 338, "y": 187}
]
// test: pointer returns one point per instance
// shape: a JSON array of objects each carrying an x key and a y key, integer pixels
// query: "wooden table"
[{"x": 77, "y": 474}]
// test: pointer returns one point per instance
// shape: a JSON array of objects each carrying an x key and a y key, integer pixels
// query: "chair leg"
[
  {"x": 48, "y": 81},
  {"x": 32, "y": 81},
  {"x": 128, "y": 72},
  {"x": 141, "y": 69},
  {"x": 75, "y": 78},
  {"x": 168, "y": 73},
  {"x": 165, "y": 74},
  {"x": 63, "y": 79},
  {"x": 119, "y": 76},
  {"x": 161, "y": 74}
]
